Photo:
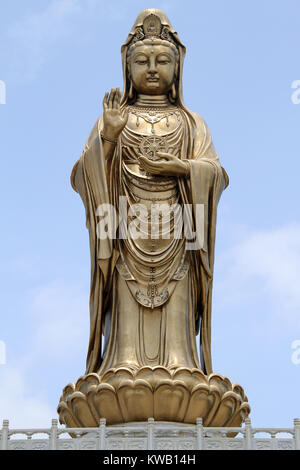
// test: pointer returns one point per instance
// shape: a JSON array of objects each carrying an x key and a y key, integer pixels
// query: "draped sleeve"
[
  {"x": 207, "y": 181},
  {"x": 89, "y": 179}
]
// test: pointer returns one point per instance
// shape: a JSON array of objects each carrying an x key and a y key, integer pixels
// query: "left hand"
[{"x": 170, "y": 166}]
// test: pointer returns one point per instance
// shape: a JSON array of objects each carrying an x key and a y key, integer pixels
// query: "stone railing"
[{"x": 151, "y": 435}]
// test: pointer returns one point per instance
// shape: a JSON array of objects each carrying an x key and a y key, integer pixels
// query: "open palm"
[{"x": 114, "y": 119}]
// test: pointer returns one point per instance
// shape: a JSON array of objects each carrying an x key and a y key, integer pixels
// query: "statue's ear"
[
  {"x": 128, "y": 71},
  {"x": 130, "y": 93}
]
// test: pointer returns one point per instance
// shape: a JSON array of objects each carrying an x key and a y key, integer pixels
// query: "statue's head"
[{"x": 152, "y": 58}]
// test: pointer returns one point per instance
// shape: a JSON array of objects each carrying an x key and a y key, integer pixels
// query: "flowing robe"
[{"x": 110, "y": 297}]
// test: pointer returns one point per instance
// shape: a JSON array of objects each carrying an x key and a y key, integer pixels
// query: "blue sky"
[{"x": 57, "y": 59}]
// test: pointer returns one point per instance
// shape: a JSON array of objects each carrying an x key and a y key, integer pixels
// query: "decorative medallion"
[{"x": 151, "y": 145}]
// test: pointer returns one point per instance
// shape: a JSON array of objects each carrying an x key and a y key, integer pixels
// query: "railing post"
[
  {"x": 53, "y": 434},
  {"x": 248, "y": 434},
  {"x": 5, "y": 431},
  {"x": 150, "y": 432},
  {"x": 273, "y": 440},
  {"x": 102, "y": 431},
  {"x": 200, "y": 434},
  {"x": 297, "y": 433}
]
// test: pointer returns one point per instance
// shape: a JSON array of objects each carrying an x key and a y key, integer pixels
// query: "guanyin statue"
[{"x": 150, "y": 180}]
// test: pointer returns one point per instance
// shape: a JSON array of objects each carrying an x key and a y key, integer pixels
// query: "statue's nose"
[{"x": 152, "y": 66}]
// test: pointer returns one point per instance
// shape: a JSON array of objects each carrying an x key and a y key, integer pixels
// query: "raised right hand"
[{"x": 114, "y": 120}]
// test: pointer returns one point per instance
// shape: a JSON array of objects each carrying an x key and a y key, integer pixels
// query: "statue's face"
[{"x": 152, "y": 69}]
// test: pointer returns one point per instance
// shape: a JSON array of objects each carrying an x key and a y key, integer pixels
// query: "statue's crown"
[{"x": 152, "y": 28}]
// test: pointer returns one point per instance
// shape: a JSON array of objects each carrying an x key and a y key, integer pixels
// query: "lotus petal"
[
  {"x": 81, "y": 409},
  {"x": 136, "y": 400},
  {"x": 170, "y": 402},
  {"x": 199, "y": 404},
  {"x": 106, "y": 401},
  {"x": 226, "y": 409}
]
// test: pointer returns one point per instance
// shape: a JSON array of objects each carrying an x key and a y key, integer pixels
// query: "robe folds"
[{"x": 96, "y": 187}]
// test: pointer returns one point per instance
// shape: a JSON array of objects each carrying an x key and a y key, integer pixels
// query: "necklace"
[{"x": 153, "y": 115}]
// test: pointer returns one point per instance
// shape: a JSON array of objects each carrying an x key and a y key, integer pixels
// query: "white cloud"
[
  {"x": 32, "y": 37},
  {"x": 264, "y": 265},
  {"x": 59, "y": 315},
  {"x": 35, "y": 38},
  {"x": 58, "y": 323},
  {"x": 20, "y": 403}
]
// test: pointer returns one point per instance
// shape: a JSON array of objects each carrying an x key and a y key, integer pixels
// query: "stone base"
[{"x": 178, "y": 395}]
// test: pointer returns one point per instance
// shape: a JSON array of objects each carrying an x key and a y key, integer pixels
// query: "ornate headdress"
[{"x": 152, "y": 28}]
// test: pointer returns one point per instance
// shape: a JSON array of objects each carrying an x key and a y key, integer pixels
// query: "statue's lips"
[{"x": 154, "y": 80}]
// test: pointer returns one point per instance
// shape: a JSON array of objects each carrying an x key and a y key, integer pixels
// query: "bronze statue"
[{"x": 149, "y": 158}]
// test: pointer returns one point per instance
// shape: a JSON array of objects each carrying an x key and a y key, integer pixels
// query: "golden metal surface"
[{"x": 151, "y": 296}]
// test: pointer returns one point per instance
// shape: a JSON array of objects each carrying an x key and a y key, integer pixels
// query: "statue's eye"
[
  {"x": 142, "y": 60},
  {"x": 163, "y": 60}
]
